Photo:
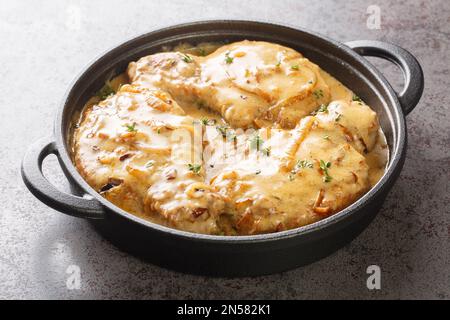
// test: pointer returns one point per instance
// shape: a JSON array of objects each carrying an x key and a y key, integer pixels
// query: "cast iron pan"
[{"x": 232, "y": 255}]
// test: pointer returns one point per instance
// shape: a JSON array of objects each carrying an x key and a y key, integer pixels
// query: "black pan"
[{"x": 232, "y": 255}]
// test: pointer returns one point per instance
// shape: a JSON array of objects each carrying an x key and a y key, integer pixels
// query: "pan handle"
[
  {"x": 412, "y": 72},
  {"x": 46, "y": 192}
]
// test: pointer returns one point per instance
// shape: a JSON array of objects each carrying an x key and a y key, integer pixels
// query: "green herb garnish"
[
  {"x": 266, "y": 151},
  {"x": 195, "y": 168},
  {"x": 231, "y": 135},
  {"x": 256, "y": 142},
  {"x": 226, "y": 132},
  {"x": 131, "y": 127},
  {"x": 301, "y": 164},
  {"x": 150, "y": 163},
  {"x": 106, "y": 91},
  {"x": 186, "y": 58},
  {"x": 228, "y": 59},
  {"x": 339, "y": 116},
  {"x": 318, "y": 93},
  {"x": 324, "y": 166},
  {"x": 222, "y": 130},
  {"x": 295, "y": 67},
  {"x": 356, "y": 98},
  {"x": 171, "y": 62},
  {"x": 207, "y": 122},
  {"x": 323, "y": 108}
]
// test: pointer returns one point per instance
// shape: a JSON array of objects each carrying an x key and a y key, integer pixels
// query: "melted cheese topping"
[{"x": 252, "y": 138}]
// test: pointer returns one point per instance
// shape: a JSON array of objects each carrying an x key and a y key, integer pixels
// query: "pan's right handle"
[
  {"x": 46, "y": 192},
  {"x": 412, "y": 72}
]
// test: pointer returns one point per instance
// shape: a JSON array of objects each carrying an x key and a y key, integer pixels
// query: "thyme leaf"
[
  {"x": 318, "y": 93},
  {"x": 105, "y": 91},
  {"x": 228, "y": 59},
  {"x": 324, "y": 166},
  {"x": 195, "y": 168},
  {"x": 256, "y": 142},
  {"x": 186, "y": 58},
  {"x": 131, "y": 127}
]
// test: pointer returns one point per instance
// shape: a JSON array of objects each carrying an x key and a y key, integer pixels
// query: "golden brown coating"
[{"x": 250, "y": 83}]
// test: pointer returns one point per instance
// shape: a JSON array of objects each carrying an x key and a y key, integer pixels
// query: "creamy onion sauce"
[{"x": 261, "y": 173}]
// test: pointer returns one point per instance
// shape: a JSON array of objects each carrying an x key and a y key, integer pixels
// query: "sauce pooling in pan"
[{"x": 239, "y": 139}]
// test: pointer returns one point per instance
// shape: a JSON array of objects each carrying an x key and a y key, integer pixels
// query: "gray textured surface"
[{"x": 43, "y": 46}]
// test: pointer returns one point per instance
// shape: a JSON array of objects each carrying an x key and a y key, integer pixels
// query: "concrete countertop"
[{"x": 43, "y": 46}]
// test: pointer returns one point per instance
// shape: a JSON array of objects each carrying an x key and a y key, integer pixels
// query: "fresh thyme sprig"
[
  {"x": 228, "y": 59},
  {"x": 324, "y": 166},
  {"x": 195, "y": 168},
  {"x": 131, "y": 127},
  {"x": 186, "y": 58}
]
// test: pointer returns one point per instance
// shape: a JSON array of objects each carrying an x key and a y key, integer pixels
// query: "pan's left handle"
[{"x": 46, "y": 192}]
